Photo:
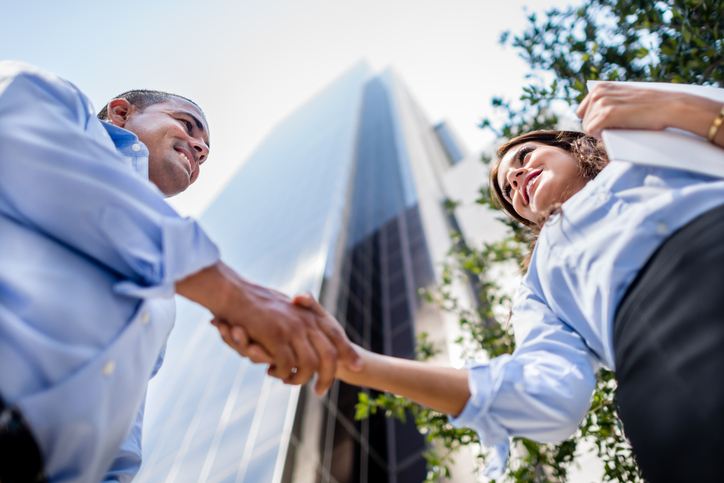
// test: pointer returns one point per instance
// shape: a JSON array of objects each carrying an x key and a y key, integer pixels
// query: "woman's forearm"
[
  {"x": 441, "y": 388},
  {"x": 696, "y": 114}
]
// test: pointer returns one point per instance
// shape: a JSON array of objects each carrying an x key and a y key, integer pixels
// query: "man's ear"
[{"x": 120, "y": 111}]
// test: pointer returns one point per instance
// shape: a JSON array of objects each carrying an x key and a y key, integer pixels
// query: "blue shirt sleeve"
[
  {"x": 83, "y": 194},
  {"x": 541, "y": 392}
]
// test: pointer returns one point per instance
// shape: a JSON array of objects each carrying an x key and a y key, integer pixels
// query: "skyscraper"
[{"x": 343, "y": 199}]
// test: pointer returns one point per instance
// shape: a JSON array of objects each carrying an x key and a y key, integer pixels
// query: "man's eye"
[{"x": 187, "y": 124}]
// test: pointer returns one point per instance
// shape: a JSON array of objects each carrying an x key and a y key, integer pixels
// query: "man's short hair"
[{"x": 141, "y": 99}]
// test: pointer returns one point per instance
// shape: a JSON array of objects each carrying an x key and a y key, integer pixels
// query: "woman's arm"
[
  {"x": 623, "y": 106},
  {"x": 441, "y": 388}
]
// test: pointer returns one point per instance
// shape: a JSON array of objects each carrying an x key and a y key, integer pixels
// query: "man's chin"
[{"x": 173, "y": 180}]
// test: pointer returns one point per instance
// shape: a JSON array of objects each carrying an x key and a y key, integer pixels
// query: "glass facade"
[
  {"x": 329, "y": 204},
  {"x": 447, "y": 140}
]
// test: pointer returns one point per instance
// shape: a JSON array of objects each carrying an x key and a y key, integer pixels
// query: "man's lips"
[
  {"x": 528, "y": 179},
  {"x": 189, "y": 158}
]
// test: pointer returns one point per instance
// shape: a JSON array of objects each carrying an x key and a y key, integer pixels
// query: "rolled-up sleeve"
[
  {"x": 541, "y": 392},
  {"x": 61, "y": 175}
]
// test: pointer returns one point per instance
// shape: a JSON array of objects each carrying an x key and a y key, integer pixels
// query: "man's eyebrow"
[{"x": 198, "y": 125}]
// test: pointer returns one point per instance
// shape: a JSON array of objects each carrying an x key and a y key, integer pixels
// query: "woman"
[{"x": 626, "y": 272}]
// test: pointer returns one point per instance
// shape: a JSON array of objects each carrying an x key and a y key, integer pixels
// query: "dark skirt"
[{"x": 669, "y": 350}]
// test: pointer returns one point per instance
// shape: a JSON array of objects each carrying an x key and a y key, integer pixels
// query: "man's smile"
[{"x": 188, "y": 158}]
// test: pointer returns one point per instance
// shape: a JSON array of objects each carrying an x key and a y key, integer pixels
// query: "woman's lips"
[{"x": 528, "y": 184}]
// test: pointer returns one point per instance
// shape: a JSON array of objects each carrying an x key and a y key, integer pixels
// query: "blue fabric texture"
[
  {"x": 89, "y": 254},
  {"x": 587, "y": 255}
]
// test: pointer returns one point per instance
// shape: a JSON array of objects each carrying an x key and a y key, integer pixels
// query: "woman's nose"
[{"x": 515, "y": 177}]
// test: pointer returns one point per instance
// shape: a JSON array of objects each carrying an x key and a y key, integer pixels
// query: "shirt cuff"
[
  {"x": 183, "y": 249},
  {"x": 476, "y": 416}
]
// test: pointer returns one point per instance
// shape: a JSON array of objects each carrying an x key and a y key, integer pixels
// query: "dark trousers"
[
  {"x": 20, "y": 459},
  {"x": 669, "y": 349}
]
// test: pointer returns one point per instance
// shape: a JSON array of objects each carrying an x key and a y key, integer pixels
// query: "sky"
[{"x": 251, "y": 63}]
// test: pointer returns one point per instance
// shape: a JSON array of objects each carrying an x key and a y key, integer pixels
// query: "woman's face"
[{"x": 534, "y": 177}]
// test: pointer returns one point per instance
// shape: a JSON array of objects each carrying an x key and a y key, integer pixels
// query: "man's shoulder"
[{"x": 25, "y": 83}]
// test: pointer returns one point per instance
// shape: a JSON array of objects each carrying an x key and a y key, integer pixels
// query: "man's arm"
[{"x": 61, "y": 176}]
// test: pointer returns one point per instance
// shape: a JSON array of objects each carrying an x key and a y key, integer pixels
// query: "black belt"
[{"x": 20, "y": 459}]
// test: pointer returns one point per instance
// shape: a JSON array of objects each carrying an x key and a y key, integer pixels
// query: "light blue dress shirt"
[
  {"x": 89, "y": 254},
  {"x": 586, "y": 257}
]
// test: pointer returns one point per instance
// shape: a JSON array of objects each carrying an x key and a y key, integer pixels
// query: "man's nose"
[{"x": 201, "y": 150}]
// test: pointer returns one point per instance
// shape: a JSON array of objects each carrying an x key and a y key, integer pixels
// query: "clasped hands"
[
  {"x": 297, "y": 340},
  {"x": 310, "y": 341}
]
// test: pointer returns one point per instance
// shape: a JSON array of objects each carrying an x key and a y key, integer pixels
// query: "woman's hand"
[
  {"x": 614, "y": 105},
  {"x": 238, "y": 339},
  {"x": 623, "y": 106}
]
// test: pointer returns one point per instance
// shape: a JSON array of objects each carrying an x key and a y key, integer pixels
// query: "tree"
[{"x": 635, "y": 40}]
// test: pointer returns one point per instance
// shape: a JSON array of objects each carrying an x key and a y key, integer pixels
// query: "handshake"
[{"x": 297, "y": 338}]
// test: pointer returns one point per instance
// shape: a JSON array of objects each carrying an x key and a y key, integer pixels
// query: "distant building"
[{"x": 343, "y": 199}]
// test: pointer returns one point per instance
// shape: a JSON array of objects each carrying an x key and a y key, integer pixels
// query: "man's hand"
[{"x": 293, "y": 339}]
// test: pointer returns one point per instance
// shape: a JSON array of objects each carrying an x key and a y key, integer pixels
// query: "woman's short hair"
[{"x": 587, "y": 150}]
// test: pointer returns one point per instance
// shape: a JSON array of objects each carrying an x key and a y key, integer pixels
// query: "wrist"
[
  {"x": 694, "y": 114},
  {"x": 212, "y": 287},
  {"x": 356, "y": 378}
]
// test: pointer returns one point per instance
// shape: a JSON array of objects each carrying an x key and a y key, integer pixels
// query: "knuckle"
[{"x": 329, "y": 352}]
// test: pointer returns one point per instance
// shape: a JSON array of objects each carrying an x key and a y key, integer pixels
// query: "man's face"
[{"x": 177, "y": 137}]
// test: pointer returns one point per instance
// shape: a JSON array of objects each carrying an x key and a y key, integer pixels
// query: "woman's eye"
[
  {"x": 523, "y": 153},
  {"x": 506, "y": 191}
]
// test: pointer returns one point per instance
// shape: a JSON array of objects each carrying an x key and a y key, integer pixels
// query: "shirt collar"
[{"x": 133, "y": 150}]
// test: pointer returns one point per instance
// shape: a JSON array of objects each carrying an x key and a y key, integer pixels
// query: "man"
[{"x": 90, "y": 256}]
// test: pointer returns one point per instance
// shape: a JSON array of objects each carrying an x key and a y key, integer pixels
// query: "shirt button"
[
  {"x": 136, "y": 147},
  {"x": 661, "y": 228},
  {"x": 145, "y": 318},
  {"x": 602, "y": 196},
  {"x": 519, "y": 387},
  {"x": 109, "y": 367}
]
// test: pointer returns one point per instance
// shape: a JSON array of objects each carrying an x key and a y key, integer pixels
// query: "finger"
[
  {"x": 333, "y": 330},
  {"x": 236, "y": 338},
  {"x": 258, "y": 354},
  {"x": 307, "y": 359},
  {"x": 327, "y": 362},
  {"x": 244, "y": 346},
  {"x": 308, "y": 302},
  {"x": 225, "y": 332},
  {"x": 284, "y": 361},
  {"x": 345, "y": 351},
  {"x": 583, "y": 107}
]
